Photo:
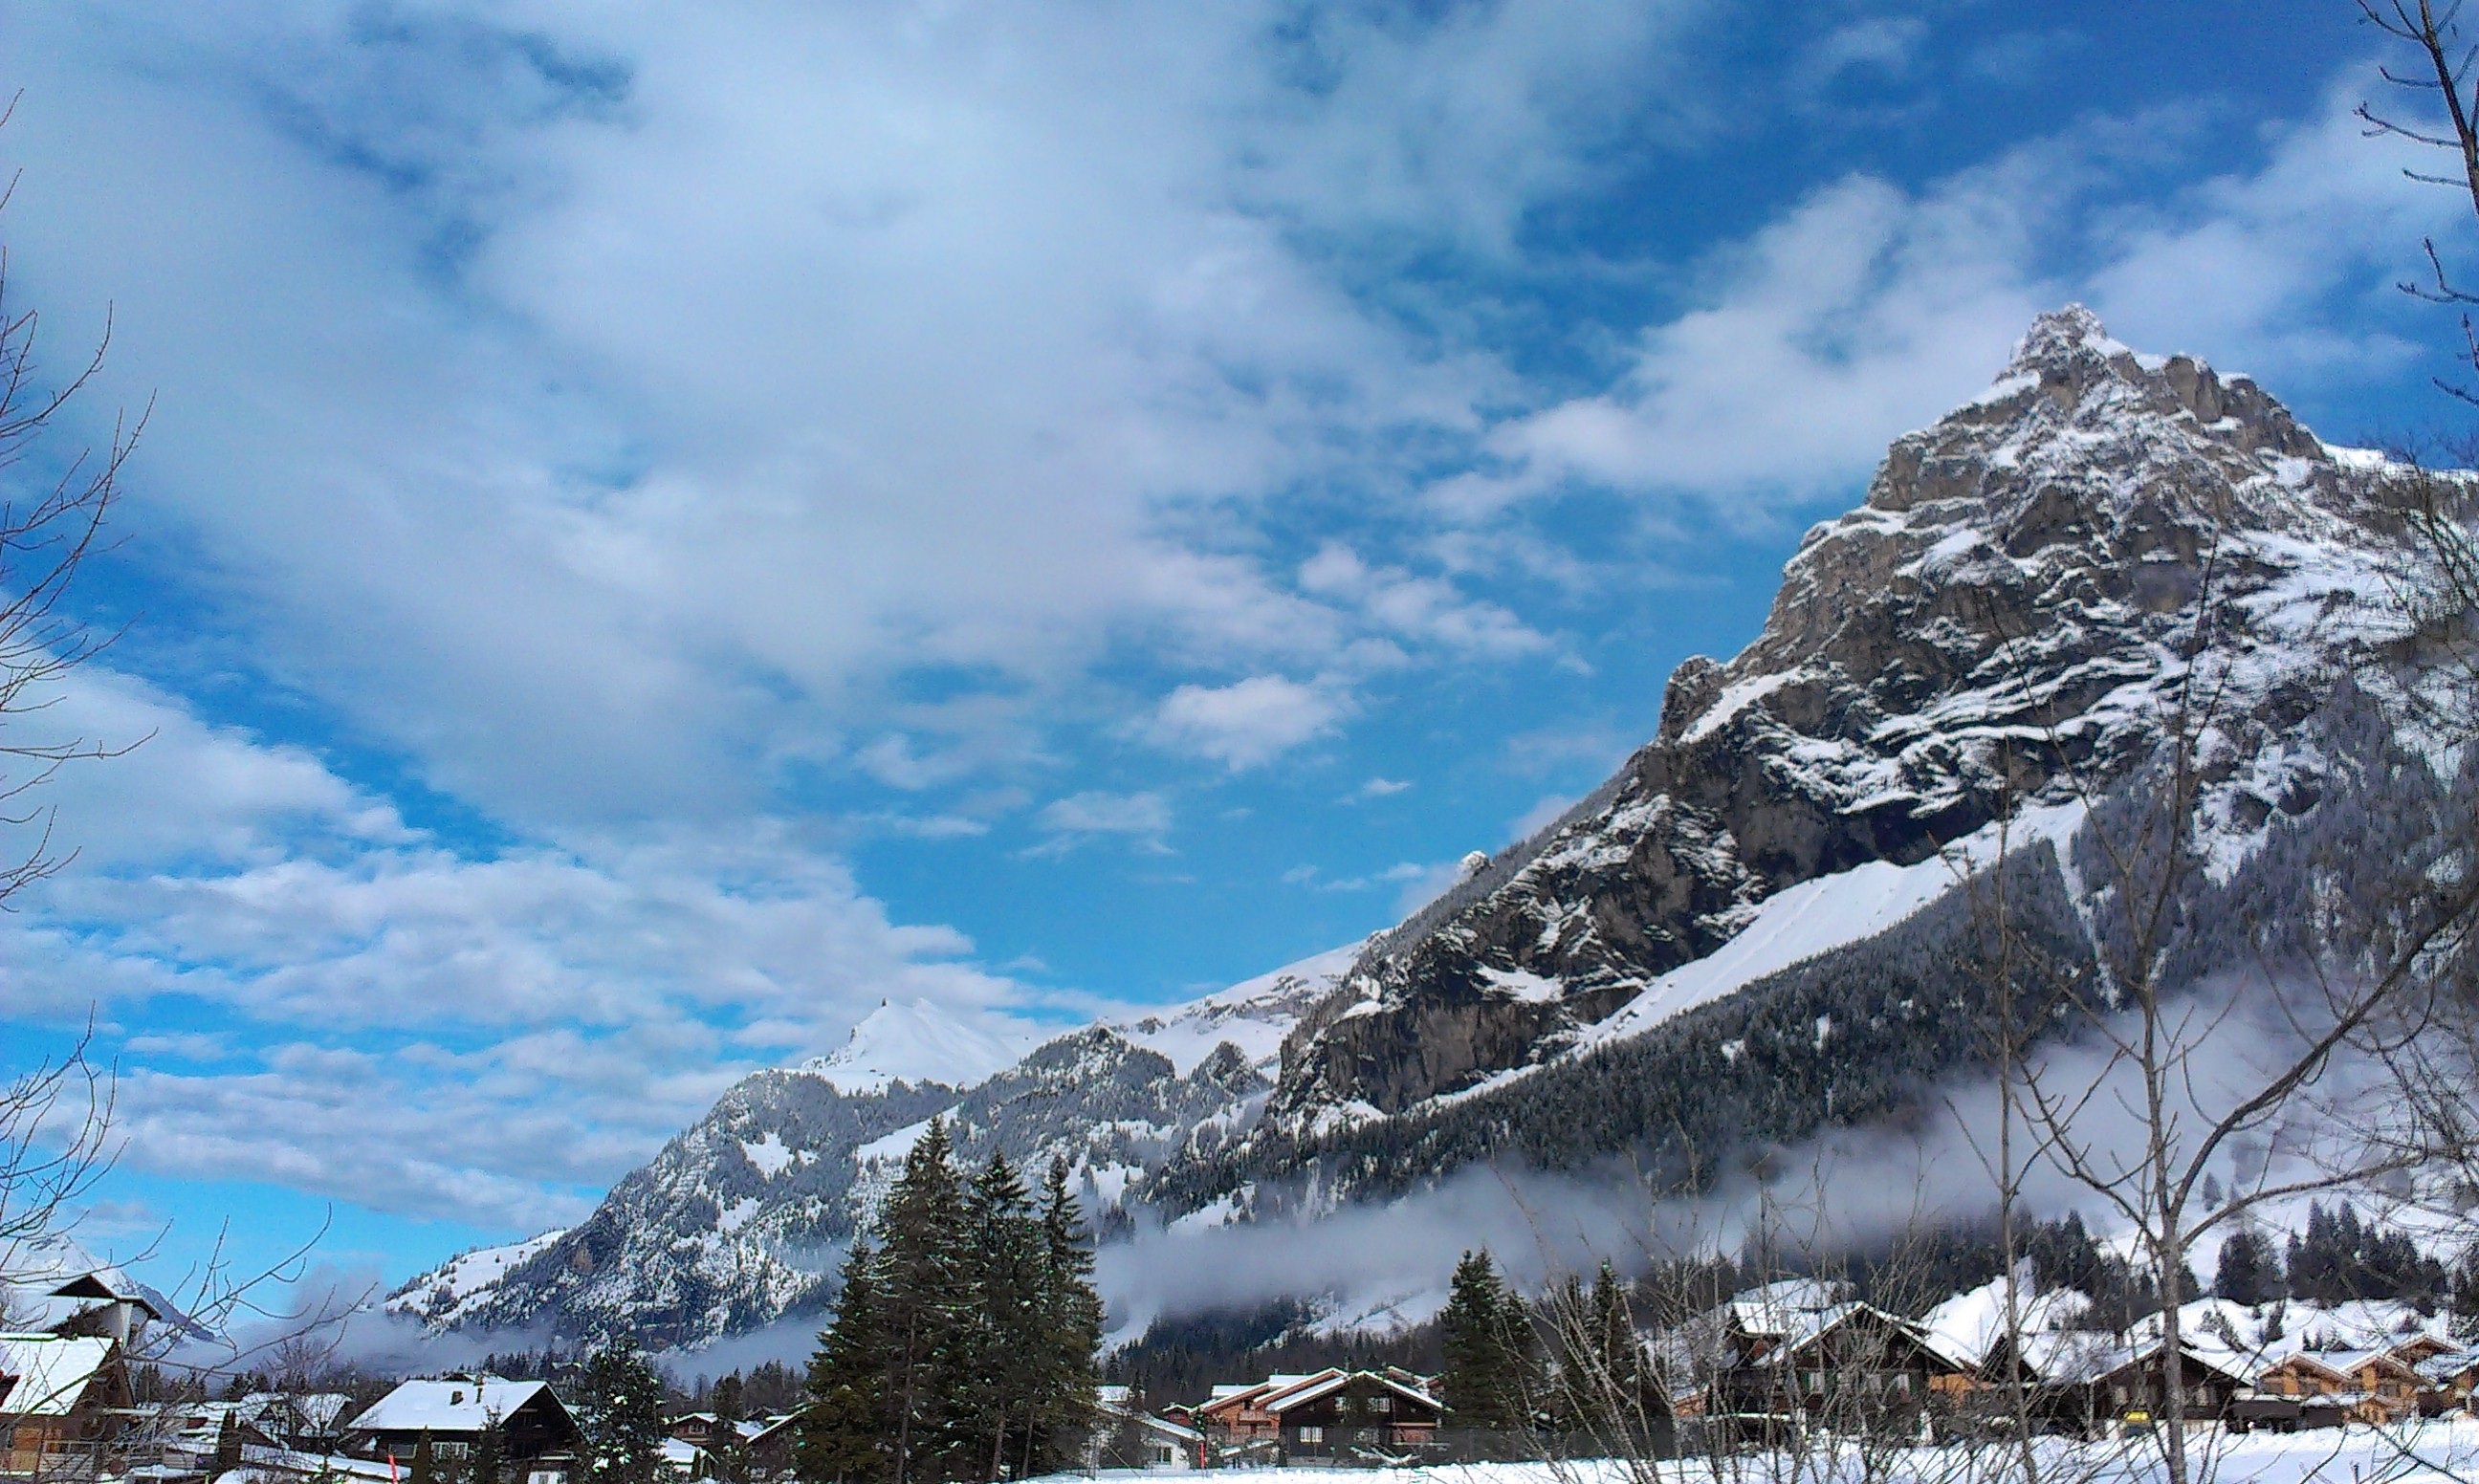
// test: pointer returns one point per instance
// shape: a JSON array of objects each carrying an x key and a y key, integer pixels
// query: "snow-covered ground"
[{"x": 2436, "y": 1452}]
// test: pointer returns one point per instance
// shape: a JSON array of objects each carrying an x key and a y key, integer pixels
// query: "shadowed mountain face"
[{"x": 1748, "y": 934}]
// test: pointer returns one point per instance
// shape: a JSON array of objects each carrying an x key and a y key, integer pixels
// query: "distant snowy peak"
[
  {"x": 441, "y": 1296},
  {"x": 1253, "y": 1015},
  {"x": 920, "y": 1043},
  {"x": 736, "y": 1223}
]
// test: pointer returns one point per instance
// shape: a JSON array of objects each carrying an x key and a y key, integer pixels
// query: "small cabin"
[
  {"x": 537, "y": 1437},
  {"x": 62, "y": 1402}
]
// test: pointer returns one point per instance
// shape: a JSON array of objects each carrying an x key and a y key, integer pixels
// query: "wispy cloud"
[{"x": 1247, "y": 723}]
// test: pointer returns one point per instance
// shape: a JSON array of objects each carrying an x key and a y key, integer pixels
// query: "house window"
[
  {"x": 1381, "y": 1405},
  {"x": 1815, "y": 1383},
  {"x": 1312, "y": 1434},
  {"x": 1903, "y": 1384},
  {"x": 544, "y": 1476}
]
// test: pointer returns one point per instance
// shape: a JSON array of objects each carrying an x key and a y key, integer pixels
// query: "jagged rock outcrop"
[{"x": 2008, "y": 609}]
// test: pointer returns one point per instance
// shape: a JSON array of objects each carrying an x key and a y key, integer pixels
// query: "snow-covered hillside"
[
  {"x": 739, "y": 1220},
  {"x": 445, "y": 1294},
  {"x": 2001, "y": 627}
]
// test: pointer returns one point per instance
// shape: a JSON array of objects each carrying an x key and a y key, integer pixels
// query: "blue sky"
[{"x": 663, "y": 527}]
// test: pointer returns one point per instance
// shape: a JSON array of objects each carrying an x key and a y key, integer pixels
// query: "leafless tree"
[
  {"x": 2153, "y": 1098},
  {"x": 52, "y": 513}
]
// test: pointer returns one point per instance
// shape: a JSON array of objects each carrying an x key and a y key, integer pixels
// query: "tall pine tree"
[
  {"x": 1488, "y": 1348},
  {"x": 1071, "y": 1332},
  {"x": 927, "y": 1301},
  {"x": 1008, "y": 1263},
  {"x": 843, "y": 1429}
]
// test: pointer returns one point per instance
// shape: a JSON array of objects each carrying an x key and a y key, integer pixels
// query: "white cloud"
[
  {"x": 649, "y": 385},
  {"x": 1142, "y": 816},
  {"x": 1868, "y": 309},
  {"x": 482, "y": 1036},
  {"x": 1246, "y": 722},
  {"x": 1377, "y": 789},
  {"x": 1426, "y": 611}
]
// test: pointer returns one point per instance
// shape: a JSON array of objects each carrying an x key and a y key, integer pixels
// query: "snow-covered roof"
[
  {"x": 51, "y": 1372},
  {"x": 1327, "y": 1386},
  {"x": 2073, "y": 1357},
  {"x": 456, "y": 1404}
]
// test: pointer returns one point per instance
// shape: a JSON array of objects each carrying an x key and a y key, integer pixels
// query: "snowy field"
[{"x": 2437, "y": 1452}]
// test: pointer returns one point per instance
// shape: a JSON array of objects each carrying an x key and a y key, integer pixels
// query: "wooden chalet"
[
  {"x": 1355, "y": 1414},
  {"x": 2085, "y": 1382},
  {"x": 1326, "y": 1414},
  {"x": 2447, "y": 1382},
  {"x": 538, "y": 1438},
  {"x": 1237, "y": 1414},
  {"x": 1798, "y": 1353},
  {"x": 2367, "y": 1386},
  {"x": 772, "y": 1442},
  {"x": 62, "y": 1399},
  {"x": 707, "y": 1430}
]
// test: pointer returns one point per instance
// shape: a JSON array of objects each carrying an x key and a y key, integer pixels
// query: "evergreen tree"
[
  {"x": 2249, "y": 1272},
  {"x": 843, "y": 1428},
  {"x": 725, "y": 1401},
  {"x": 963, "y": 1344},
  {"x": 1008, "y": 1263},
  {"x": 927, "y": 1302},
  {"x": 619, "y": 1411},
  {"x": 488, "y": 1450},
  {"x": 1071, "y": 1339},
  {"x": 1487, "y": 1348},
  {"x": 425, "y": 1461},
  {"x": 2466, "y": 1298}
]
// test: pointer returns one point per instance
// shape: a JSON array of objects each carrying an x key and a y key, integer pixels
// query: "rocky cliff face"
[{"x": 2007, "y": 612}]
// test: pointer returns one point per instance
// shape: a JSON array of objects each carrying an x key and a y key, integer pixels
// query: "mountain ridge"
[{"x": 1748, "y": 931}]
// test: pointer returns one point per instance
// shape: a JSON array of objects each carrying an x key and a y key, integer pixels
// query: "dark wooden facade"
[{"x": 1354, "y": 1413}]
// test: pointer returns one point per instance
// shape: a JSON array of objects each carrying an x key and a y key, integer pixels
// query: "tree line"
[{"x": 964, "y": 1341}]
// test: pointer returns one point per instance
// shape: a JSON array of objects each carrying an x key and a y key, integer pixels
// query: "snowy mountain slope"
[
  {"x": 445, "y": 1294},
  {"x": 917, "y": 1043},
  {"x": 2003, "y": 622},
  {"x": 739, "y": 1219},
  {"x": 2008, "y": 604}
]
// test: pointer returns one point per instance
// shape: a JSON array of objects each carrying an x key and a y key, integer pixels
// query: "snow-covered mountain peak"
[
  {"x": 918, "y": 1044},
  {"x": 2001, "y": 617}
]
